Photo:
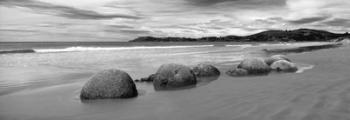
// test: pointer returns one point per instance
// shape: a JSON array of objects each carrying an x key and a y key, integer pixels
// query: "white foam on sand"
[{"x": 301, "y": 69}]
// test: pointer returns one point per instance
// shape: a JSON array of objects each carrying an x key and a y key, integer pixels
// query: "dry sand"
[{"x": 321, "y": 93}]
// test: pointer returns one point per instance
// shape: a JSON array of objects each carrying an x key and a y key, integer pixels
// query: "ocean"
[
  {"x": 39, "y": 64},
  {"x": 21, "y": 69},
  {"x": 26, "y": 65}
]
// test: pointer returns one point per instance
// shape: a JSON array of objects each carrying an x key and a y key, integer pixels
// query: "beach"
[{"x": 49, "y": 88}]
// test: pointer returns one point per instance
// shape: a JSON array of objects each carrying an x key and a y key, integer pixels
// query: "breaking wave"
[{"x": 81, "y": 49}]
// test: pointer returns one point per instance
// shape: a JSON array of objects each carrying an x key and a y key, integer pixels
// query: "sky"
[{"x": 123, "y": 20}]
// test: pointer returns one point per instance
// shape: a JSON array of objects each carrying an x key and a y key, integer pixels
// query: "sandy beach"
[{"x": 320, "y": 93}]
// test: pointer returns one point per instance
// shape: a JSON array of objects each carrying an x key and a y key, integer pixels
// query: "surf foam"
[{"x": 80, "y": 48}]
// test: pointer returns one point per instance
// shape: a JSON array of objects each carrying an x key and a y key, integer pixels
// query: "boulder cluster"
[
  {"x": 113, "y": 83},
  {"x": 262, "y": 66}
]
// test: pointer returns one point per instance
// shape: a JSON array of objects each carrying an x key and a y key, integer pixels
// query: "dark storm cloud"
[
  {"x": 238, "y": 2},
  {"x": 64, "y": 11},
  {"x": 308, "y": 20}
]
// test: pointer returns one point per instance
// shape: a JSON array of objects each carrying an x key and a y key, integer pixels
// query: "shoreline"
[{"x": 315, "y": 93}]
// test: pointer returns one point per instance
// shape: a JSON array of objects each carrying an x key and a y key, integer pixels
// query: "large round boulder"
[
  {"x": 255, "y": 66},
  {"x": 236, "y": 72},
  {"x": 108, "y": 84},
  {"x": 275, "y": 58},
  {"x": 284, "y": 66},
  {"x": 205, "y": 70},
  {"x": 170, "y": 76}
]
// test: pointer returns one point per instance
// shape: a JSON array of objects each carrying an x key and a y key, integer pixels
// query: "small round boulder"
[
  {"x": 150, "y": 78},
  {"x": 275, "y": 58},
  {"x": 109, "y": 84},
  {"x": 205, "y": 70},
  {"x": 255, "y": 66},
  {"x": 170, "y": 76},
  {"x": 236, "y": 72},
  {"x": 284, "y": 66}
]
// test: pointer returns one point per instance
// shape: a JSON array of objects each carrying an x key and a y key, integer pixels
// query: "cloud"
[
  {"x": 16, "y": 30},
  {"x": 135, "y": 31},
  {"x": 121, "y": 19},
  {"x": 338, "y": 22},
  {"x": 63, "y": 11},
  {"x": 238, "y": 3},
  {"x": 308, "y": 20},
  {"x": 121, "y": 26},
  {"x": 126, "y": 29}
]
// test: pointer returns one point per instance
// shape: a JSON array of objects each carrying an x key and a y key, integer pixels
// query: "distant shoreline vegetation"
[{"x": 297, "y": 35}]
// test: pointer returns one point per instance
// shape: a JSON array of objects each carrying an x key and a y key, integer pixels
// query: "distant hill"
[{"x": 265, "y": 36}]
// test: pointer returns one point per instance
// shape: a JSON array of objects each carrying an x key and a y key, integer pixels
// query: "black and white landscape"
[{"x": 174, "y": 59}]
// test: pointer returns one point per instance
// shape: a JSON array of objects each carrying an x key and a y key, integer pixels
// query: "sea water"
[
  {"x": 46, "y": 83},
  {"x": 49, "y": 62},
  {"x": 54, "y": 63}
]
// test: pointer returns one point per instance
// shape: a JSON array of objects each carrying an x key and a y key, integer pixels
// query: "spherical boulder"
[
  {"x": 237, "y": 72},
  {"x": 275, "y": 58},
  {"x": 107, "y": 84},
  {"x": 255, "y": 66},
  {"x": 205, "y": 70},
  {"x": 284, "y": 66},
  {"x": 170, "y": 76}
]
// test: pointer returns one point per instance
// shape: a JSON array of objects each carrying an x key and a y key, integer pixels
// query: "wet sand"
[{"x": 321, "y": 93}]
